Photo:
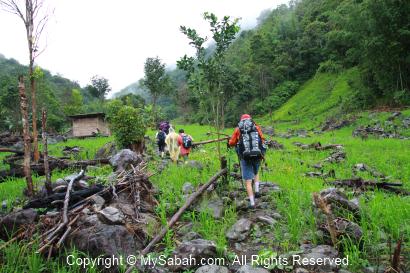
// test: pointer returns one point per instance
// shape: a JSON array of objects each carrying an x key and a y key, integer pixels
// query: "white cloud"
[{"x": 113, "y": 38}]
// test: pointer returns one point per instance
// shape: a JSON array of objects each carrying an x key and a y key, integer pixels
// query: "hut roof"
[{"x": 89, "y": 115}]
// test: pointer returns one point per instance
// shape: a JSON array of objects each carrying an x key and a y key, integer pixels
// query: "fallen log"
[
  {"x": 8, "y": 150},
  {"x": 76, "y": 196},
  {"x": 359, "y": 183},
  {"x": 54, "y": 163},
  {"x": 209, "y": 141},
  {"x": 179, "y": 213}
]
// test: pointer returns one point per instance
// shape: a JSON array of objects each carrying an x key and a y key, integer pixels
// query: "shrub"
[{"x": 127, "y": 125}]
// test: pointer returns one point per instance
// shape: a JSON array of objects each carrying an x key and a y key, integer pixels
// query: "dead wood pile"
[{"x": 131, "y": 188}]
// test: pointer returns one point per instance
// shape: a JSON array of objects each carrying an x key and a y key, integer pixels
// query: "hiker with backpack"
[
  {"x": 185, "y": 144},
  {"x": 164, "y": 126},
  {"x": 160, "y": 137},
  {"x": 248, "y": 140}
]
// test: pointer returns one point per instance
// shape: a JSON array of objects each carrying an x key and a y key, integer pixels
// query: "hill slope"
[{"x": 323, "y": 96}]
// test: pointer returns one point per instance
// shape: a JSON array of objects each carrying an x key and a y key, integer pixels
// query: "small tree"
[
  {"x": 207, "y": 73},
  {"x": 99, "y": 87},
  {"x": 35, "y": 20},
  {"x": 156, "y": 80},
  {"x": 127, "y": 125}
]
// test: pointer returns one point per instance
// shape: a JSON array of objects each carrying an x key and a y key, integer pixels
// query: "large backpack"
[
  {"x": 186, "y": 141},
  {"x": 161, "y": 138},
  {"x": 250, "y": 143},
  {"x": 164, "y": 126}
]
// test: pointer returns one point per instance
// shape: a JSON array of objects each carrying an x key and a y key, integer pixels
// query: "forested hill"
[
  {"x": 61, "y": 96},
  {"x": 267, "y": 65}
]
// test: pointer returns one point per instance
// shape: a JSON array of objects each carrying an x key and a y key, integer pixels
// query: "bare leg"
[
  {"x": 256, "y": 183},
  {"x": 250, "y": 192}
]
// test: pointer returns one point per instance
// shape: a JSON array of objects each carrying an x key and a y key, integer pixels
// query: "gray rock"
[
  {"x": 320, "y": 252},
  {"x": 105, "y": 240},
  {"x": 124, "y": 158},
  {"x": 109, "y": 149},
  {"x": 4, "y": 205},
  {"x": 51, "y": 140},
  {"x": 192, "y": 235},
  {"x": 343, "y": 271},
  {"x": 98, "y": 202},
  {"x": 187, "y": 188},
  {"x": 266, "y": 219},
  {"x": 196, "y": 249},
  {"x": 301, "y": 270},
  {"x": 269, "y": 130},
  {"x": 337, "y": 198},
  {"x": 185, "y": 229},
  {"x": 212, "y": 269},
  {"x": 216, "y": 207},
  {"x": 351, "y": 229},
  {"x": 195, "y": 164},
  {"x": 13, "y": 221},
  {"x": 266, "y": 187},
  {"x": 91, "y": 220},
  {"x": 276, "y": 215},
  {"x": 250, "y": 269},
  {"x": 240, "y": 230},
  {"x": 111, "y": 215}
]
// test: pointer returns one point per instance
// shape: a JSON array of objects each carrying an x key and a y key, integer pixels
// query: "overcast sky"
[{"x": 113, "y": 38}]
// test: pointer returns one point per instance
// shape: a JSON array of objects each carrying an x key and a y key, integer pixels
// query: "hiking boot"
[
  {"x": 257, "y": 194},
  {"x": 251, "y": 207}
]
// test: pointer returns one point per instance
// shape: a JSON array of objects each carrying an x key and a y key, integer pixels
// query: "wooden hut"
[{"x": 92, "y": 124}]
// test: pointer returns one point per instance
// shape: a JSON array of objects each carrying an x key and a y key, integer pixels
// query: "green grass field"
[{"x": 385, "y": 217}]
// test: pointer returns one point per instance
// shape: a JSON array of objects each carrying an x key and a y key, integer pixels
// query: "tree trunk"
[
  {"x": 138, "y": 147},
  {"x": 45, "y": 152},
  {"x": 26, "y": 136},
  {"x": 34, "y": 115}
]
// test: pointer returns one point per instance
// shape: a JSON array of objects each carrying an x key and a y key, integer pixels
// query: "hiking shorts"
[
  {"x": 161, "y": 147},
  {"x": 249, "y": 168}
]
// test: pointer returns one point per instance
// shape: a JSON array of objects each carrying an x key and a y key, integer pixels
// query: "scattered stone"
[
  {"x": 343, "y": 271},
  {"x": 267, "y": 220},
  {"x": 75, "y": 150},
  {"x": 348, "y": 228},
  {"x": 111, "y": 215},
  {"x": 185, "y": 229},
  {"x": 394, "y": 115},
  {"x": 196, "y": 249},
  {"x": 91, "y": 220},
  {"x": 14, "y": 220},
  {"x": 364, "y": 168},
  {"x": 240, "y": 230},
  {"x": 321, "y": 252},
  {"x": 268, "y": 131},
  {"x": 336, "y": 198},
  {"x": 266, "y": 187},
  {"x": 276, "y": 215},
  {"x": 273, "y": 144},
  {"x": 301, "y": 270},
  {"x": 374, "y": 269},
  {"x": 192, "y": 235},
  {"x": 98, "y": 202},
  {"x": 187, "y": 188},
  {"x": 337, "y": 156},
  {"x": 333, "y": 124},
  {"x": 109, "y": 149},
  {"x": 212, "y": 269},
  {"x": 250, "y": 269},
  {"x": 195, "y": 164},
  {"x": 105, "y": 240},
  {"x": 406, "y": 123},
  {"x": 124, "y": 158}
]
